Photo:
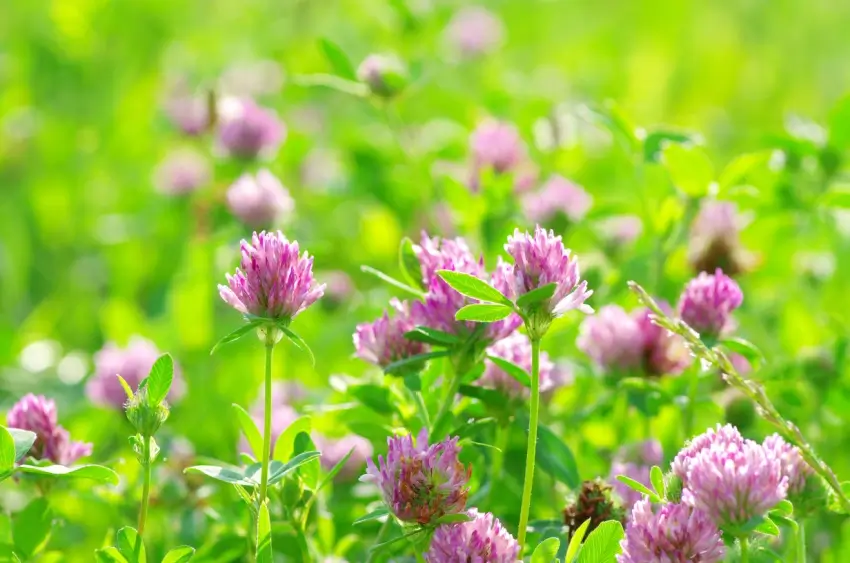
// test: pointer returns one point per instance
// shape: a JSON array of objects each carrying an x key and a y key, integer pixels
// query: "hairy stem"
[
  {"x": 146, "y": 491},
  {"x": 531, "y": 449},
  {"x": 267, "y": 422},
  {"x": 745, "y": 549},
  {"x": 801, "y": 542}
]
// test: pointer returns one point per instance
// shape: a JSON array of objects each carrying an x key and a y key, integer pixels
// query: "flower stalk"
[{"x": 531, "y": 449}]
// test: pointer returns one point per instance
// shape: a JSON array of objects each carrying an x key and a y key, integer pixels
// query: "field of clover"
[{"x": 373, "y": 282}]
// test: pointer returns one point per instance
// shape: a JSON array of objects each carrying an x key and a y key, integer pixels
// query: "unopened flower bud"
[
  {"x": 673, "y": 485},
  {"x": 145, "y": 417},
  {"x": 385, "y": 75}
]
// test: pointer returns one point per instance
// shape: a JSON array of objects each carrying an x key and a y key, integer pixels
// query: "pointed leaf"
[
  {"x": 310, "y": 469},
  {"x": 31, "y": 527},
  {"x": 483, "y": 312},
  {"x": 374, "y": 515},
  {"x": 535, "y": 296},
  {"x": 555, "y": 458},
  {"x": 109, "y": 555},
  {"x": 783, "y": 507},
  {"x": 392, "y": 281},
  {"x": 546, "y": 551},
  {"x": 159, "y": 380},
  {"x": 249, "y": 429},
  {"x": 744, "y": 348},
  {"x": 334, "y": 471},
  {"x": 474, "y": 287},
  {"x": 377, "y": 398},
  {"x": 130, "y": 545},
  {"x": 656, "y": 477},
  {"x": 181, "y": 554},
  {"x": 8, "y": 451},
  {"x": 432, "y": 336},
  {"x": 299, "y": 342},
  {"x": 291, "y": 466},
  {"x": 575, "y": 542},
  {"x": 413, "y": 360},
  {"x": 489, "y": 397},
  {"x": 639, "y": 487},
  {"x": 223, "y": 474},
  {"x": 285, "y": 445},
  {"x": 238, "y": 333},
  {"x": 338, "y": 60},
  {"x": 92, "y": 472},
  {"x": 264, "y": 535},
  {"x": 515, "y": 371},
  {"x": 603, "y": 544},
  {"x": 409, "y": 264},
  {"x": 24, "y": 439},
  {"x": 767, "y": 526},
  {"x": 125, "y": 386}
]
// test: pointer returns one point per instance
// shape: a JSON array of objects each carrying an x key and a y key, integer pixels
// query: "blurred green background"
[{"x": 90, "y": 252}]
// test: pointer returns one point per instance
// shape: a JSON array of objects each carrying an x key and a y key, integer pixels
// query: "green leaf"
[
  {"x": 310, "y": 469},
  {"x": 249, "y": 429},
  {"x": 474, "y": 287},
  {"x": 92, "y": 472},
  {"x": 555, "y": 458},
  {"x": 837, "y": 198},
  {"x": 575, "y": 542},
  {"x": 223, "y": 474},
  {"x": 535, "y": 296},
  {"x": 8, "y": 451},
  {"x": 130, "y": 545},
  {"x": 453, "y": 518},
  {"x": 125, "y": 386},
  {"x": 110, "y": 555},
  {"x": 374, "y": 515},
  {"x": 515, "y": 371},
  {"x": 159, "y": 380},
  {"x": 783, "y": 507},
  {"x": 280, "y": 472},
  {"x": 432, "y": 336},
  {"x": 546, "y": 551},
  {"x": 612, "y": 117},
  {"x": 24, "y": 439},
  {"x": 413, "y": 382},
  {"x": 489, "y": 397},
  {"x": 238, "y": 333},
  {"x": 744, "y": 348},
  {"x": 180, "y": 554},
  {"x": 298, "y": 342},
  {"x": 392, "y": 281},
  {"x": 483, "y": 312},
  {"x": 603, "y": 544},
  {"x": 833, "y": 502},
  {"x": 689, "y": 167},
  {"x": 657, "y": 478},
  {"x": 334, "y": 471},
  {"x": 409, "y": 264},
  {"x": 338, "y": 60},
  {"x": 656, "y": 140},
  {"x": 767, "y": 526},
  {"x": 31, "y": 527},
  {"x": 264, "y": 535},
  {"x": 333, "y": 82},
  {"x": 399, "y": 365},
  {"x": 375, "y": 397},
  {"x": 740, "y": 167},
  {"x": 284, "y": 447},
  {"x": 839, "y": 124},
  {"x": 639, "y": 487}
]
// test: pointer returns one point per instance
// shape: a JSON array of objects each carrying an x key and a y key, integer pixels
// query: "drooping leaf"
[
  {"x": 338, "y": 60},
  {"x": 483, "y": 312},
  {"x": 284, "y": 447},
  {"x": 299, "y": 342},
  {"x": 223, "y": 474},
  {"x": 535, "y": 296},
  {"x": 238, "y": 333},
  {"x": 546, "y": 551},
  {"x": 474, "y": 287},
  {"x": 334, "y": 471},
  {"x": 432, "y": 336},
  {"x": 399, "y": 365},
  {"x": 159, "y": 379},
  {"x": 130, "y": 545},
  {"x": 280, "y": 472},
  {"x": 374, "y": 515},
  {"x": 515, "y": 371},
  {"x": 555, "y": 458},
  {"x": 264, "y": 535},
  {"x": 31, "y": 527},
  {"x": 603, "y": 543},
  {"x": 575, "y": 542},
  {"x": 181, "y": 554},
  {"x": 250, "y": 430},
  {"x": 392, "y": 281},
  {"x": 767, "y": 526},
  {"x": 92, "y": 472}
]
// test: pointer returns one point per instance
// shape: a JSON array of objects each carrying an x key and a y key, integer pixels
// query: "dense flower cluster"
[
  {"x": 132, "y": 363},
  {"x": 420, "y": 482},
  {"x": 474, "y": 31},
  {"x": 182, "y": 172},
  {"x": 635, "y": 462},
  {"x": 247, "y": 130},
  {"x": 671, "y": 533},
  {"x": 483, "y": 539},
  {"x": 382, "y": 341},
  {"x": 497, "y": 146},
  {"x": 558, "y": 196},
  {"x": 541, "y": 259},
  {"x": 259, "y": 199},
  {"x": 708, "y": 301},
  {"x": 617, "y": 340},
  {"x": 516, "y": 349},
  {"x": 37, "y": 414},
  {"x": 274, "y": 282},
  {"x": 794, "y": 467}
]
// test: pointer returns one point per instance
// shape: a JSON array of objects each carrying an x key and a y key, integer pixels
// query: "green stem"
[
  {"x": 621, "y": 416},
  {"x": 381, "y": 533},
  {"x": 745, "y": 549},
  {"x": 502, "y": 438},
  {"x": 647, "y": 427},
  {"x": 531, "y": 449},
  {"x": 267, "y": 421},
  {"x": 419, "y": 558},
  {"x": 446, "y": 407},
  {"x": 801, "y": 542},
  {"x": 421, "y": 408},
  {"x": 690, "y": 412},
  {"x": 146, "y": 488}
]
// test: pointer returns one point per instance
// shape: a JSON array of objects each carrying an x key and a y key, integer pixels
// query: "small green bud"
[
  {"x": 138, "y": 444},
  {"x": 673, "y": 484},
  {"x": 145, "y": 417}
]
